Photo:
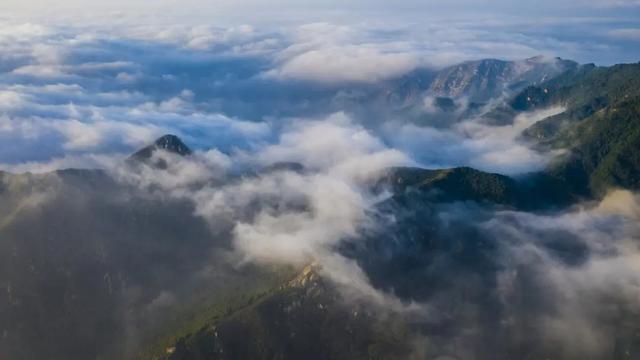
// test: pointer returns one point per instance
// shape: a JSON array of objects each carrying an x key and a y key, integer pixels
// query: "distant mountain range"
[{"x": 459, "y": 91}]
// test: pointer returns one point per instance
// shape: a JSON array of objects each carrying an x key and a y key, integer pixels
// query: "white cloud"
[
  {"x": 345, "y": 64},
  {"x": 244, "y": 39},
  {"x": 179, "y": 174},
  {"x": 574, "y": 294},
  {"x": 325, "y": 144},
  {"x": 85, "y": 161},
  {"x": 45, "y": 71},
  {"x": 86, "y": 136},
  {"x": 22, "y": 31},
  {"x": 329, "y": 53},
  {"x": 471, "y": 143},
  {"x": 80, "y": 135},
  {"x": 11, "y": 100},
  {"x": 626, "y": 34}
]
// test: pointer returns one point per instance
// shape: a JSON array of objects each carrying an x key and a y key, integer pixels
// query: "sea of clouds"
[
  {"x": 81, "y": 96},
  {"x": 247, "y": 98}
]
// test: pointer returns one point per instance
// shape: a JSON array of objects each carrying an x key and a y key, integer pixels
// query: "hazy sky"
[{"x": 267, "y": 11}]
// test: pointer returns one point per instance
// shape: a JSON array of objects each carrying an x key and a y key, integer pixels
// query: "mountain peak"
[
  {"x": 172, "y": 144},
  {"x": 169, "y": 143}
]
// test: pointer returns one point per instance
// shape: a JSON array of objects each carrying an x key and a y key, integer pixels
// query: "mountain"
[
  {"x": 408, "y": 89},
  {"x": 170, "y": 144},
  {"x": 442, "y": 97},
  {"x": 417, "y": 253},
  {"x": 599, "y": 129},
  {"x": 80, "y": 256},
  {"x": 92, "y": 268},
  {"x": 451, "y": 93},
  {"x": 95, "y": 268},
  {"x": 305, "y": 318},
  {"x": 487, "y": 79},
  {"x": 456, "y": 184}
]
